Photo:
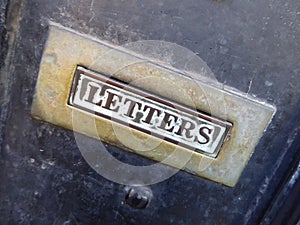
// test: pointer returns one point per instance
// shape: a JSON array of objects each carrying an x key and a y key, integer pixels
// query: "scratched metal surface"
[{"x": 249, "y": 45}]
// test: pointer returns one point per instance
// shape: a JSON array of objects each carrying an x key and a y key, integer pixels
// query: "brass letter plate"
[{"x": 108, "y": 92}]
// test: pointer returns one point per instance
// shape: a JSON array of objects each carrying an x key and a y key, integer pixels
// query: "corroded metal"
[{"x": 66, "y": 49}]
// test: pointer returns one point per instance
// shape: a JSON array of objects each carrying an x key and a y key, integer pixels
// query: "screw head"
[{"x": 138, "y": 197}]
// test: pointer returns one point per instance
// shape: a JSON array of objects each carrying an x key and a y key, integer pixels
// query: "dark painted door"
[{"x": 252, "y": 46}]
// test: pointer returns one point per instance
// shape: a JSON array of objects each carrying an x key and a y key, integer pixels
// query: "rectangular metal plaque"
[
  {"x": 151, "y": 114},
  {"x": 147, "y": 108}
]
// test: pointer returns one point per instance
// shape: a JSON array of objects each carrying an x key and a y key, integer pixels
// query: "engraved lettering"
[
  {"x": 185, "y": 128},
  {"x": 151, "y": 113},
  {"x": 147, "y": 113},
  {"x": 167, "y": 122},
  {"x": 132, "y": 106},
  {"x": 93, "y": 89},
  {"x": 112, "y": 101},
  {"x": 205, "y": 133}
]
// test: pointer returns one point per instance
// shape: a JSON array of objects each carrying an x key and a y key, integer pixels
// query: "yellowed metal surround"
[{"x": 65, "y": 49}]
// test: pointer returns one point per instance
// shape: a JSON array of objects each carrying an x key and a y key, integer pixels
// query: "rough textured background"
[{"x": 250, "y": 45}]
